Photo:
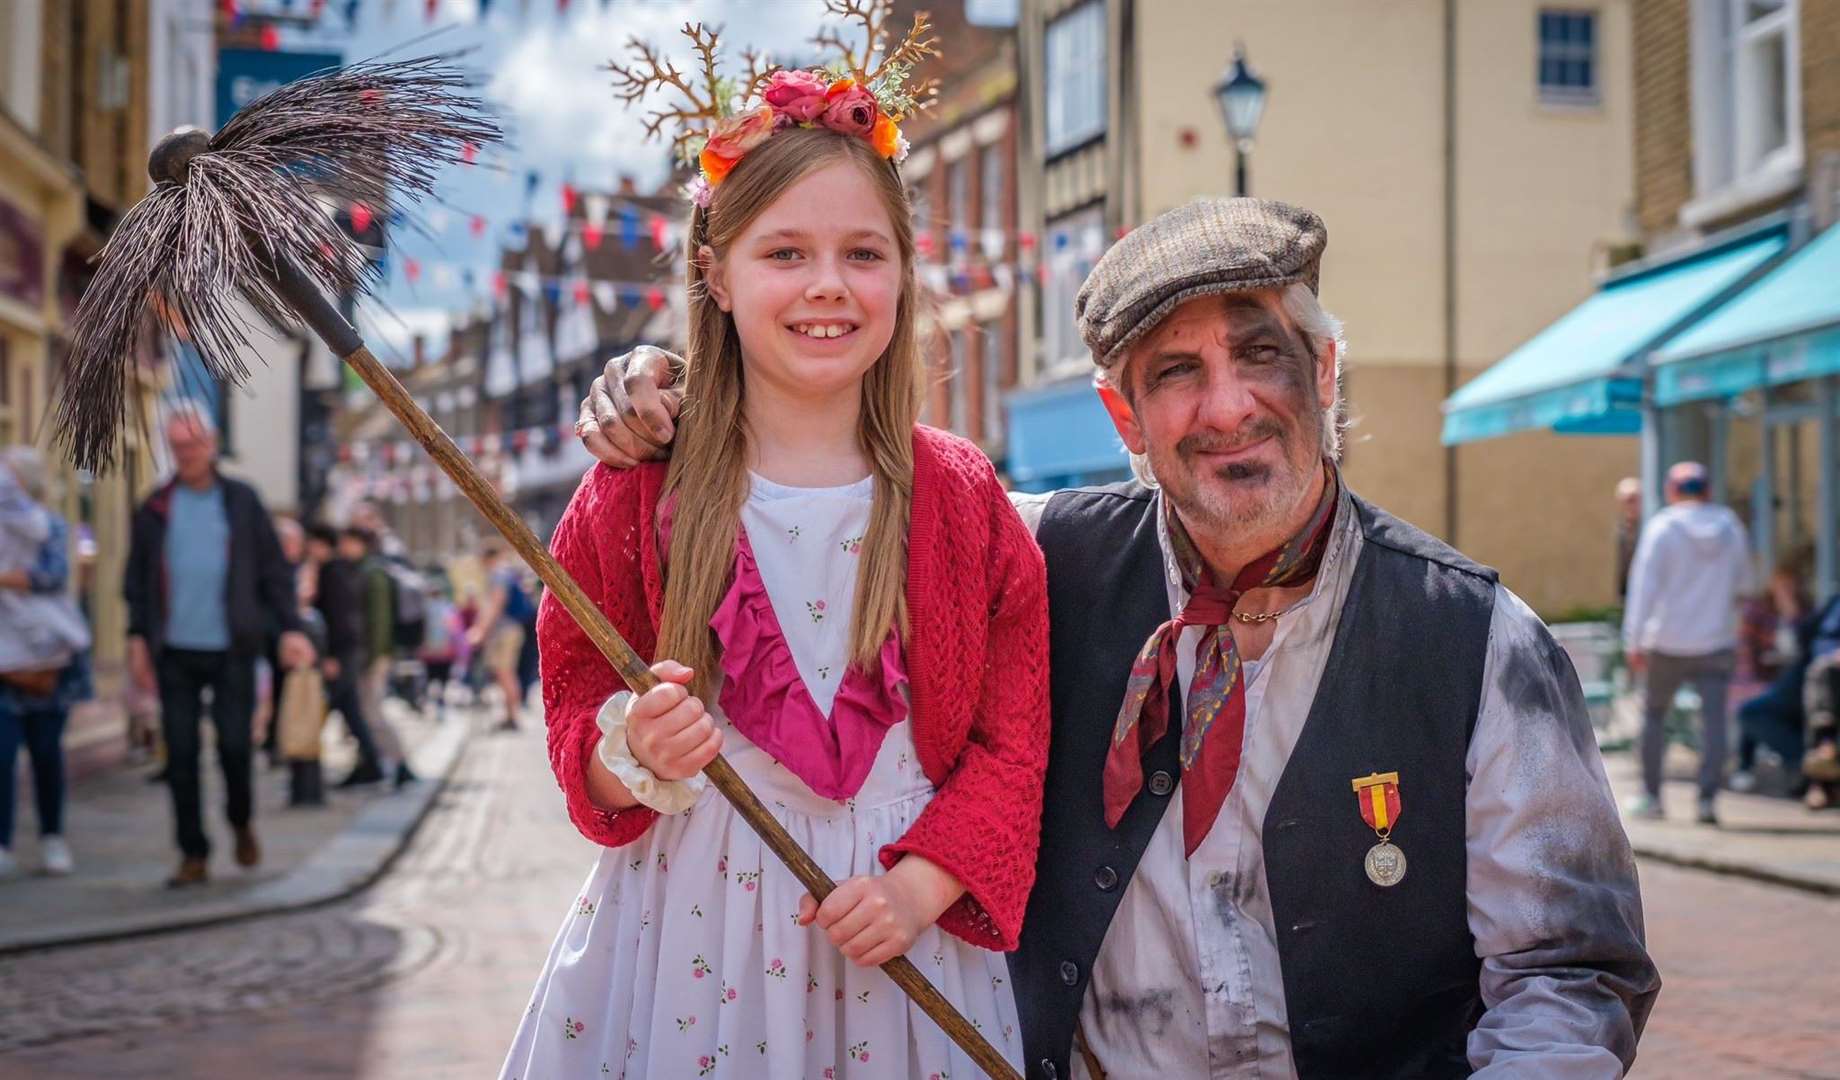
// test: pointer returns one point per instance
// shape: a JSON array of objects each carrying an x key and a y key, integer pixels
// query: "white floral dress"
[{"x": 682, "y": 957}]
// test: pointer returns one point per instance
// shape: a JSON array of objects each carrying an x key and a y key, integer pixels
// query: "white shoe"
[
  {"x": 1742, "y": 781},
  {"x": 1646, "y": 807},
  {"x": 56, "y": 855},
  {"x": 8, "y": 865}
]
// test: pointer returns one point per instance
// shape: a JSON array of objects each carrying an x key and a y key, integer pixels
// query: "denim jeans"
[{"x": 41, "y": 728}]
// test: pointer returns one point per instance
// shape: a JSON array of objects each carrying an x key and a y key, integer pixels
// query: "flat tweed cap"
[{"x": 1206, "y": 246}]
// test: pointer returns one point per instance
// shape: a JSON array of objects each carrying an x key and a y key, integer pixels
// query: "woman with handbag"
[{"x": 44, "y": 642}]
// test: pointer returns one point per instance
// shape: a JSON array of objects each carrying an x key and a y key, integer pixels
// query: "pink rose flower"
[
  {"x": 798, "y": 96},
  {"x": 850, "y": 109}
]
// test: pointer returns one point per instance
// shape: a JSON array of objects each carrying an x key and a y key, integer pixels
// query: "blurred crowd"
[
  {"x": 1763, "y": 651},
  {"x": 278, "y": 632}
]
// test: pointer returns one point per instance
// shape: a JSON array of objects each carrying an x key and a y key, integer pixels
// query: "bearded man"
[{"x": 1323, "y": 798}]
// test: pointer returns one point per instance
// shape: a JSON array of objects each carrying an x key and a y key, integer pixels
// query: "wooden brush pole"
[{"x": 342, "y": 339}]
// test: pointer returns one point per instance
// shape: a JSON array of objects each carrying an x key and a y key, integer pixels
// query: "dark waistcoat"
[{"x": 1377, "y": 981}]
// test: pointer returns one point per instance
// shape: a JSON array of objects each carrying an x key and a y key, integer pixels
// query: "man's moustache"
[{"x": 1205, "y": 443}]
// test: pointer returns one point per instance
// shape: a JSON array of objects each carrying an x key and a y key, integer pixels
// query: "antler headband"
[{"x": 862, "y": 93}]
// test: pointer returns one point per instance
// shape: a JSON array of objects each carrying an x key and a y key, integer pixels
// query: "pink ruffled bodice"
[{"x": 766, "y": 700}]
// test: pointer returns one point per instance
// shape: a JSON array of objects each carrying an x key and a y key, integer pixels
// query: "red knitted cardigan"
[{"x": 977, "y": 665}]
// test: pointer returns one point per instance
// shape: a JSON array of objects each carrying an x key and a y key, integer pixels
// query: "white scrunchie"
[{"x": 664, "y": 796}]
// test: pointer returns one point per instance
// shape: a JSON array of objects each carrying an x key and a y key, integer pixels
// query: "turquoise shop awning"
[
  {"x": 1784, "y": 328},
  {"x": 1060, "y": 434},
  {"x": 1583, "y": 374}
]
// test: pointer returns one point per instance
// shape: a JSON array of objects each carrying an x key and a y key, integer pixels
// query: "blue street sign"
[{"x": 244, "y": 75}]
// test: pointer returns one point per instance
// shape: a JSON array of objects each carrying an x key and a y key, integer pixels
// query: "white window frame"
[
  {"x": 1074, "y": 64},
  {"x": 1568, "y": 51},
  {"x": 1731, "y": 172}
]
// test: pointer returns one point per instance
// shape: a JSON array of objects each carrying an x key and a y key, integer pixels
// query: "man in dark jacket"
[
  {"x": 339, "y": 598},
  {"x": 206, "y": 583}
]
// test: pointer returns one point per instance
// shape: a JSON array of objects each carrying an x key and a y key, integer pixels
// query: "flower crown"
[{"x": 730, "y": 116}]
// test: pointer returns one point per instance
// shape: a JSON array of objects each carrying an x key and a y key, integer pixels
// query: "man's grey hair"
[
  {"x": 1321, "y": 331},
  {"x": 190, "y": 411}
]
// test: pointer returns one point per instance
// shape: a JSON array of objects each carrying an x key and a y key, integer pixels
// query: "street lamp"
[{"x": 1242, "y": 101}]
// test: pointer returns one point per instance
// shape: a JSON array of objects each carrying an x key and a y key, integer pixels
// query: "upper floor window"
[
  {"x": 1067, "y": 237},
  {"x": 990, "y": 189},
  {"x": 1075, "y": 75},
  {"x": 958, "y": 195},
  {"x": 1747, "y": 108},
  {"x": 992, "y": 371},
  {"x": 1568, "y": 56}
]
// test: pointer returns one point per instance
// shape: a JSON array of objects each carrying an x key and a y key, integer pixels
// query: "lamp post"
[{"x": 1242, "y": 101}]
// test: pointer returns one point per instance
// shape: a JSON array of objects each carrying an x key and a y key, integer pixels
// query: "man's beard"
[{"x": 1258, "y": 494}]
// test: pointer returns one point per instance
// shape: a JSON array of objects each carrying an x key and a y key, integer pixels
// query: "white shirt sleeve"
[
  {"x": 1553, "y": 902},
  {"x": 1029, "y": 506}
]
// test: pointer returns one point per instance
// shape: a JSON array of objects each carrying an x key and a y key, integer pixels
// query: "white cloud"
[{"x": 550, "y": 85}]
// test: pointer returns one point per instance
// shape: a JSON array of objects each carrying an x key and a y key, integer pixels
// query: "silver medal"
[{"x": 1386, "y": 864}]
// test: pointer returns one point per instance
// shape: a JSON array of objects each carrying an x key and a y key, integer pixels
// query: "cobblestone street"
[{"x": 424, "y": 975}]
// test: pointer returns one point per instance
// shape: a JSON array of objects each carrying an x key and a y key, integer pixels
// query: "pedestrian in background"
[
  {"x": 205, "y": 584},
  {"x": 440, "y": 642},
  {"x": 339, "y": 599},
  {"x": 44, "y": 642},
  {"x": 498, "y": 631},
  {"x": 380, "y": 621},
  {"x": 1628, "y": 529},
  {"x": 1691, "y": 570},
  {"x": 1766, "y": 649},
  {"x": 293, "y": 549},
  {"x": 1821, "y": 702},
  {"x": 384, "y": 540}
]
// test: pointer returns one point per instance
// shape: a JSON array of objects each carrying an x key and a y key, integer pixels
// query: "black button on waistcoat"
[
  {"x": 1048, "y": 1071},
  {"x": 1161, "y": 783},
  {"x": 1106, "y": 878},
  {"x": 1070, "y": 972}
]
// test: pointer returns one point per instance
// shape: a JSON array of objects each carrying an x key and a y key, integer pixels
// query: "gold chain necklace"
[{"x": 1258, "y": 617}]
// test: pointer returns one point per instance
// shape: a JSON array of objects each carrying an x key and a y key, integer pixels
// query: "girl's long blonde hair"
[{"x": 708, "y": 471}]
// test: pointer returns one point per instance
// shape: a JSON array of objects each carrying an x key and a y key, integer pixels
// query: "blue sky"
[{"x": 541, "y": 74}]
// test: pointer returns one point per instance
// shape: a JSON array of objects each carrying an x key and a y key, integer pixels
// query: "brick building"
[
  {"x": 1473, "y": 164},
  {"x": 1719, "y": 339},
  {"x": 1738, "y": 120},
  {"x": 961, "y": 178}
]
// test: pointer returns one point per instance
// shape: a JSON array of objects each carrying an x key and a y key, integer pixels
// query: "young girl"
[{"x": 845, "y": 606}]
